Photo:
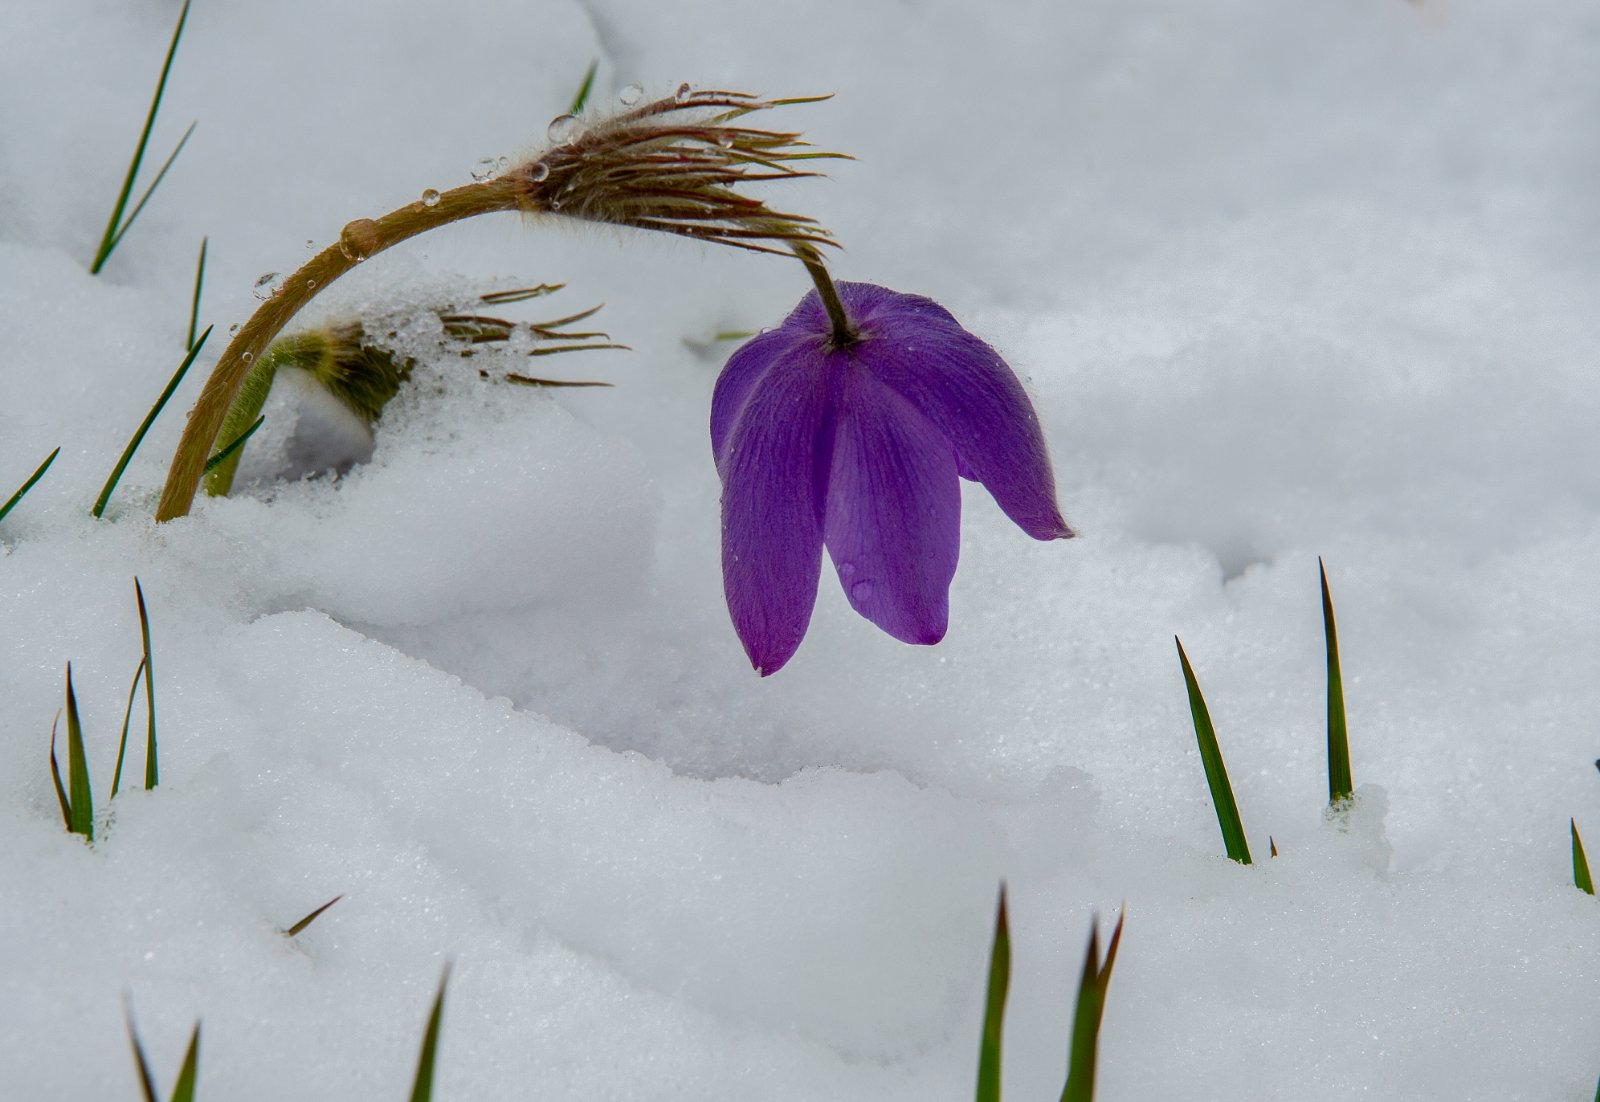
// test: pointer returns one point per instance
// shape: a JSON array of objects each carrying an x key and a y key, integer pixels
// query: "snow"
[{"x": 1283, "y": 281}]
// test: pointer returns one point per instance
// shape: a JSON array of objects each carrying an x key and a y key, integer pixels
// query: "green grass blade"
[
  {"x": 147, "y": 1081},
  {"x": 144, "y": 427},
  {"x": 55, "y": 775},
  {"x": 127, "y": 716},
  {"x": 199, "y": 282},
  {"x": 80, "y": 803},
  {"x": 151, "y": 774},
  {"x": 1216, "y": 772},
  {"x": 108, "y": 240},
  {"x": 310, "y": 918},
  {"x": 237, "y": 443},
  {"x": 1085, "y": 1026},
  {"x": 28, "y": 485},
  {"x": 994, "y": 1010},
  {"x": 1339, "y": 783},
  {"x": 1092, "y": 986},
  {"x": 1580, "y": 862},
  {"x": 585, "y": 88},
  {"x": 183, "y": 1089},
  {"x": 151, "y": 190},
  {"x": 422, "y": 1087}
]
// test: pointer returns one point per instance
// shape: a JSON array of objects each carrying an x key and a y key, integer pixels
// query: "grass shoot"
[
  {"x": 183, "y": 1089},
  {"x": 1091, "y": 1007},
  {"x": 199, "y": 282},
  {"x": 127, "y": 717},
  {"x": 310, "y": 918},
  {"x": 422, "y": 1086},
  {"x": 116, "y": 225},
  {"x": 1339, "y": 782},
  {"x": 77, "y": 804},
  {"x": 994, "y": 1010},
  {"x": 151, "y": 773},
  {"x": 11, "y": 502},
  {"x": 1580, "y": 862},
  {"x": 149, "y": 419},
  {"x": 581, "y": 97},
  {"x": 238, "y": 442},
  {"x": 1216, "y": 772}
]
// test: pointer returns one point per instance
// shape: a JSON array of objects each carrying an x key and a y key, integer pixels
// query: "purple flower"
[{"x": 857, "y": 447}]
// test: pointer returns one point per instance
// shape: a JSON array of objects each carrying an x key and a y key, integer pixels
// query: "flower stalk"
[{"x": 671, "y": 165}]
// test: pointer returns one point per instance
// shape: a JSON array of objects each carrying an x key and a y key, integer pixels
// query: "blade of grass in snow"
[
  {"x": 147, "y": 1081},
  {"x": 144, "y": 427},
  {"x": 55, "y": 775},
  {"x": 994, "y": 1010},
  {"x": 28, "y": 485},
  {"x": 1216, "y": 772},
  {"x": 422, "y": 1088},
  {"x": 1091, "y": 1008},
  {"x": 127, "y": 716},
  {"x": 310, "y": 918},
  {"x": 151, "y": 773},
  {"x": 77, "y": 805},
  {"x": 1580, "y": 862},
  {"x": 1339, "y": 782},
  {"x": 115, "y": 225},
  {"x": 584, "y": 89},
  {"x": 238, "y": 442},
  {"x": 199, "y": 281},
  {"x": 183, "y": 1090}
]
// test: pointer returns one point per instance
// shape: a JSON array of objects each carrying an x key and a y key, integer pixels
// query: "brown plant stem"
[{"x": 361, "y": 239}]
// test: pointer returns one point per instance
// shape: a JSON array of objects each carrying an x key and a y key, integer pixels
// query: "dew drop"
[
  {"x": 248, "y": 356},
  {"x": 725, "y": 138},
  {"x": 683, "y": 92},
  {"x": 555, "y": 204},
  {"x": 630, "y": 95},
  {"x": 861, "y": 591},
  {"x": 266, "y": 286},
  {"x": 538, "y": 171},
  {"x": 360, "y": 239},
  {"x": 310, "y": 244},
  {"x": 484, "y": 169},
  {"x": 232, "y": 329},
  {"x": 430, "y": 198},
  {"x": 562, "y": 127},
  {"x": 311, "y": 285}
]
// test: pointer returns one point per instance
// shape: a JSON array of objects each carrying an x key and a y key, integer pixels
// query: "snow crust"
[{"x": 1284, "y": 281}]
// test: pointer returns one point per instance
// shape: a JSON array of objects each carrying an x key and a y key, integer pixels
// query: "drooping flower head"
[{"x": 851, "y": 432}]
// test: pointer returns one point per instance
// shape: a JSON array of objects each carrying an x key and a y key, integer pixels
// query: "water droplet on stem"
[
  {"x": 266, "y": 286},
  {"x": 538, "y": 171},
  {"x": 630, "y": 95},
  {"x": 562, "y": 127},
  {"x": 430, "y": 198},
  {"x": 360, "y": 238}
]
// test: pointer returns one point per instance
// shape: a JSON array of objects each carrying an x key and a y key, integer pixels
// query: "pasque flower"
[{"x": 847, "y": 427}]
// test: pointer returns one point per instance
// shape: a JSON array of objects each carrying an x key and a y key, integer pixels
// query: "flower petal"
[
  {"x": 892, "y": 522},
  {"x": 771, "y": 506},
  {"x": 966, "y": 390},
  {"x": 743, "y": 372}
]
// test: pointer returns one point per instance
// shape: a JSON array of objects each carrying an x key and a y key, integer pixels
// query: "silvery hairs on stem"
[{"x": 671, "y": 164}]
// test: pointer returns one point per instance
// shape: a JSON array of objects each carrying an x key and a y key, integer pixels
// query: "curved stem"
[
  {"x": 361, "y": 239},
  {"x": 844, "y": 333}
]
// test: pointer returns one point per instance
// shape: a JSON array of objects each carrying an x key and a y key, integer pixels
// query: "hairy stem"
[
  {"x": 843, "y": 333},
  {"x": 360, "y": 240}
]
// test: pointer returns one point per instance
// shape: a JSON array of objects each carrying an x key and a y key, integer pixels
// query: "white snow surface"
[{"x": 1284, "y": 280}]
